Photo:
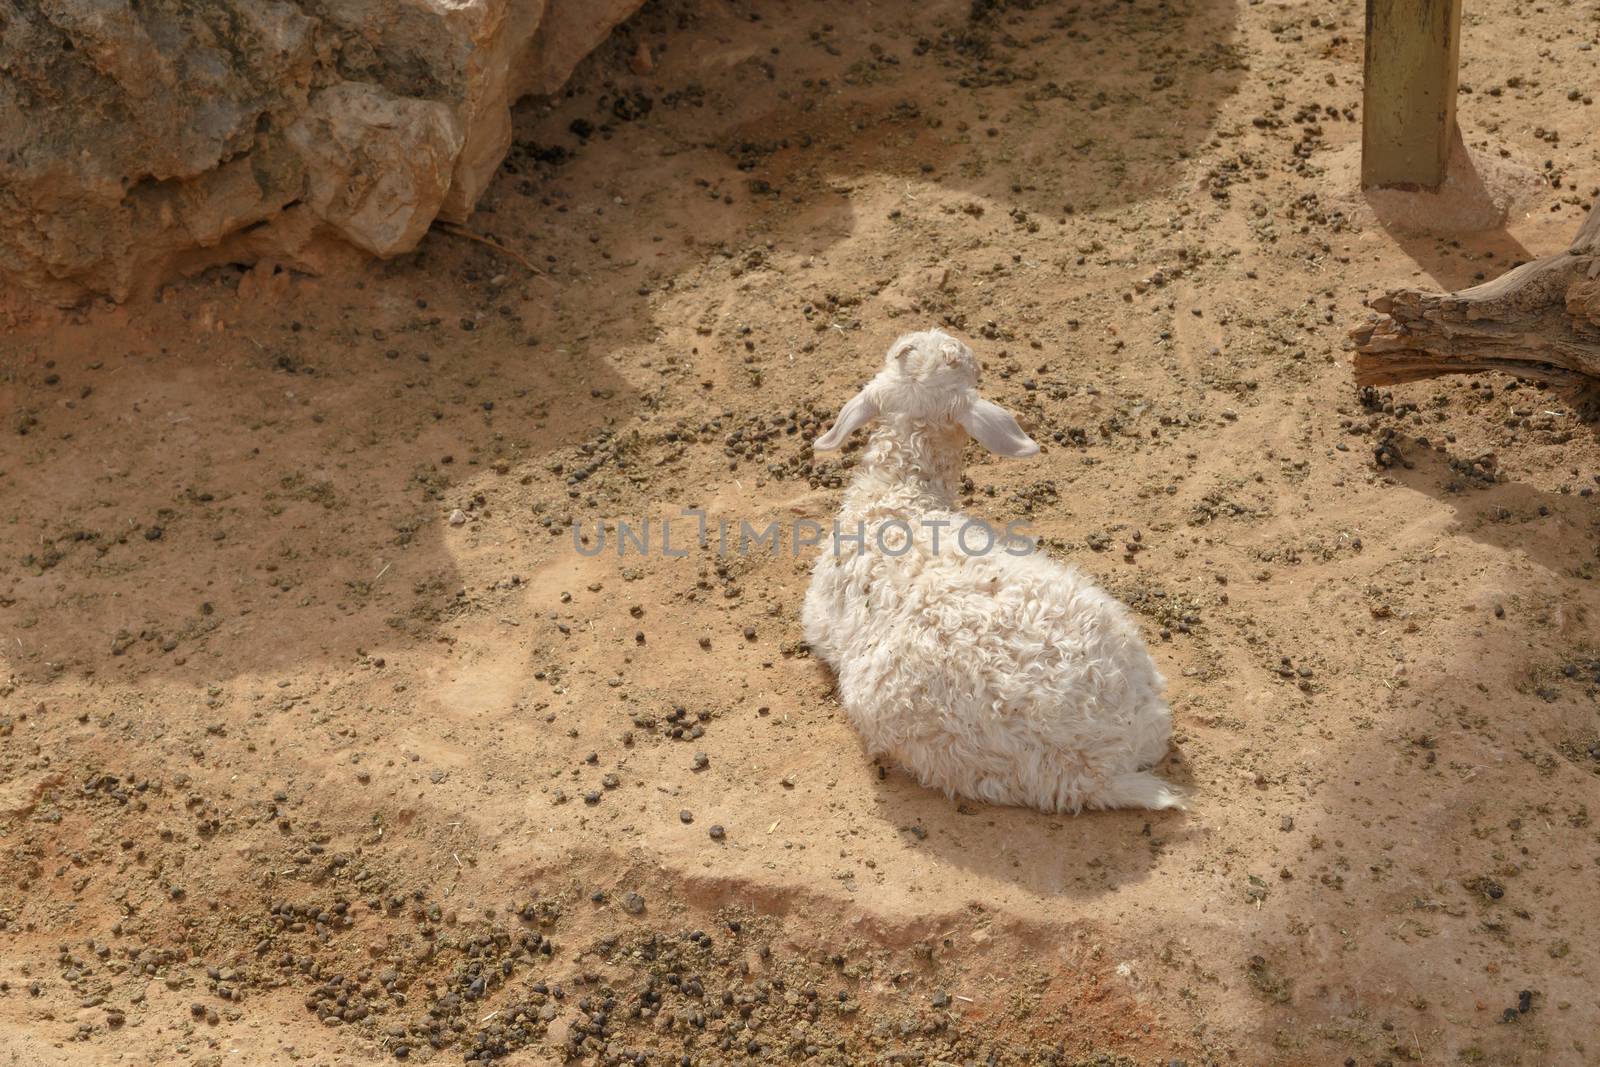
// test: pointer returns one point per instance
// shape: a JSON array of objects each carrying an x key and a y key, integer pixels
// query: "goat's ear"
[
  {"x": 856, "y": 413},
  {"x": 995, "y": 429}
]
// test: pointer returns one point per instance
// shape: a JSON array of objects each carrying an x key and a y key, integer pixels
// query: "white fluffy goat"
[{"x": 985, "y": 672}]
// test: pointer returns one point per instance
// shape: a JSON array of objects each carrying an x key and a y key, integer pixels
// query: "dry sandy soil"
[{"x": 294, "y": 769}]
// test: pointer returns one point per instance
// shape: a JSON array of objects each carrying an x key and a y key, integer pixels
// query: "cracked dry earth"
[{"x": 295, "y": 768}]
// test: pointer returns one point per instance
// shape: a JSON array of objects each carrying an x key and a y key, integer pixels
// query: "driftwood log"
[{"x": 1541, "y": 321}]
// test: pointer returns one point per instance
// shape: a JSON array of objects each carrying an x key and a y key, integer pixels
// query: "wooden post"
[{"x": 1408, "y": 104}]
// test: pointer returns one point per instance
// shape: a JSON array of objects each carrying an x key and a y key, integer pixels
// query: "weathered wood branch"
[{"x": 1541, "y": 320}]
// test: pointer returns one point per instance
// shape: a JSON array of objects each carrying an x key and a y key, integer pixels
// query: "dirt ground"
[{"x": 294, "y": 768}]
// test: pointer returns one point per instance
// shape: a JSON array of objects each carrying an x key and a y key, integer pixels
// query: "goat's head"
[{"x": 932, "y": 377}]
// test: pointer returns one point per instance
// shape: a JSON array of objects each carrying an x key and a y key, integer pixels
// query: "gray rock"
[
  {"x": 142, "y": 141},
  {"x": 377, "y": 166}
]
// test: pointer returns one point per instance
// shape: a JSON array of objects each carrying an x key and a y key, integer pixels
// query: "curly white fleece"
[{"x": 1003, "y": 678}]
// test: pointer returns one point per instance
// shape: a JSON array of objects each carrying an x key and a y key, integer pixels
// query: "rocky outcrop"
[
  {"x": 141, "y": 139},
  {"x": 378, "y": 167}
]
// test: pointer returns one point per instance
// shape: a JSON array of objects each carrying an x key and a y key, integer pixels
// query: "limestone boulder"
[
  {"x": 143, "y": 139},
  {"x": 378, "y": 166}
]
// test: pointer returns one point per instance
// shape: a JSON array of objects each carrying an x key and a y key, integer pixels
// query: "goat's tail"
[{"x": 1140, "y": 789}]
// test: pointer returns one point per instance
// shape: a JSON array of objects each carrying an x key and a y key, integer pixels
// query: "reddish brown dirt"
[{"x": 269, "y": 719}]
